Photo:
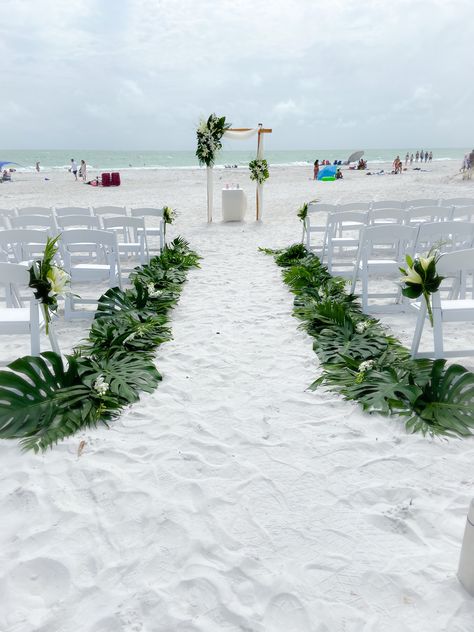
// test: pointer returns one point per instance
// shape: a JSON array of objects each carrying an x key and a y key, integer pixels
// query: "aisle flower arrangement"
[
  {"x": 259, "y": 170},
  {"x": 421, "y": 279},
  {"x": 45, "y": 398},
  {"x": 209, "y": 138},
  {"x": 364, "y": 363},
  {"x": 48, "y": 281}
]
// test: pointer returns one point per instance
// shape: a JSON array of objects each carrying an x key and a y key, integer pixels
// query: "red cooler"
[
  {"x": 106, "y": 179},
  {"x": 115, "y": 182}
]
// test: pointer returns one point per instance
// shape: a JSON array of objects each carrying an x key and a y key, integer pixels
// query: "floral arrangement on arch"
[
  {"x": 209, "y": 135},
  {"x": 48, "y": 281},
  {"x": 259, "y": 170}
]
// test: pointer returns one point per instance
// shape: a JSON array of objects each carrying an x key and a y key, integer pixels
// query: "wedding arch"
[{"x": 209, "y": 141}]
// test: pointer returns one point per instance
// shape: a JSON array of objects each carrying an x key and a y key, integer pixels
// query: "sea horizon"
[{"x": 59, "y": 159}]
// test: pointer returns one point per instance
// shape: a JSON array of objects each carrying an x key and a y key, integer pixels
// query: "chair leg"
[
  {"x": 418, "y": 330},
  {"x": 365, "y": 290},
  {"x": 437, "y": 334}
]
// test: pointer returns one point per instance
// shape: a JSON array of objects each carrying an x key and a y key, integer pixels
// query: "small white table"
[{"x": 234, "y": 205}]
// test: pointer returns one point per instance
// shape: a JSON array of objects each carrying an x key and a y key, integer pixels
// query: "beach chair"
[
  {"x": 342, "y": 240},
  {"x": 90, "y": 270},
  {"x": 131, "y": 236},
  {"x": 381, "y": 252},
  {"x": 446, "y": 236},
  {"x": 64, "y": 211},
  {"x": 420, "y": 214},
  {"x": 115, "y": 179},
  {"x": 15, "y": 318},
  {"x": 149, "y": 214},
  {"x": 68, "y": 222},
  {"x": 19, "y": 245},
  {"x": 105, "y": 179},
  {"x": 35, "y": 210},
  {"x": 455, "y": 308},
  {"x": 459, "y": 201},
  {"x": 354, "y": 206},
  {"x": 313, "y": 227}
]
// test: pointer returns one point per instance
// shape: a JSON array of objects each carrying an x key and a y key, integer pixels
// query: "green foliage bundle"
[
  {"x": 259, "y": 170},
  {"x": 364, "y": 363},
  {"x": 45, "y": 399}
]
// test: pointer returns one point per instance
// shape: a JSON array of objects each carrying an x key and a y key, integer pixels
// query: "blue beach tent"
[{"x": 327, "y": 171}]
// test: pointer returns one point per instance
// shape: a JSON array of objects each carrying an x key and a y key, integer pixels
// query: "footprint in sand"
[{"x": 286, "y": 612}]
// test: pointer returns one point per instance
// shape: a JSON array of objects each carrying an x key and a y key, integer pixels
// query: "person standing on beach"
[
  {"x": 407, "y": 158},
  {"x": 37, "y": 166},
  {"x": 417, "y": 156},
  {"x": 315, "y": 169},
  {"x": 426, "y": 156},
  {"x": 83, "y": 170},
  {"x": 73, "y": 168},
  {"x": 411, "y": 159},
  {"x": 431, "y": 156},
  {"x": 422, "y": 155}
]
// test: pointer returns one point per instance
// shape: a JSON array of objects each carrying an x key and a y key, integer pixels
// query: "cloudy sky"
[{"x": 138, "y": 74}]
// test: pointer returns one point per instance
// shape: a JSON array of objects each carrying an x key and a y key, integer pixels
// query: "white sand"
[{"x": 231, "y": 499}]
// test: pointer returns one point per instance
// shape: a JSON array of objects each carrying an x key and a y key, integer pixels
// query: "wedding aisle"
[{"x": 231, "y": 499}]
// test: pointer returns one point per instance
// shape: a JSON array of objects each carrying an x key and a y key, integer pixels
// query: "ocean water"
[{"x": 128, "y": 159}]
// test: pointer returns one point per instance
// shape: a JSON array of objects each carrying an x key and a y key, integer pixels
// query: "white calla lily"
[
  {"x": 412, "y": 277},
  {"x": 425, "y": 262},
  {"x": 58, "y": 280}
]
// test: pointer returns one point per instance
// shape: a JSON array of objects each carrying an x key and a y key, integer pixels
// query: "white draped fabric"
[{"x": 236, "y": 135}]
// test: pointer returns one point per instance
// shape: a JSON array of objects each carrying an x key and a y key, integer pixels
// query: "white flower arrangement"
[
  {"x": 101, "y": 386},
  {"x": 362, "y": 326},
  {"x": 259, "y": 170},
  {"x": 152, "y": 291},
  {"x": 209, "y": 134}
]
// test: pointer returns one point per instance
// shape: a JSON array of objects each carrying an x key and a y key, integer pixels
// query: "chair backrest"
[
  {"x": 421, "y": 202},
  {"x": 340, "y": 217},
  {"x": 383, "y": 204},
  {"x": 111, "y": 223},
  {"x": 317, "y": 207},
  {"x": 451, "y": 263},
  {"x": 463, "y": 213},
  {"x": 429, "y": 214},
  {"x": 20, "y": 244},
  {"x": 387, "y": 216},
  {"x": 109, "y": 210},
  {"x": 449, "y": 235},
  {"x": 146, "y": 211},
  {"x": 88, "y": 236},
  {"x": 403, "y": 237},
  {"x": 32, "y": 221},
  {"x": 64, "y": 211},
  {"x": 35, "y": 210},
  {"x": 67, "y": 222},
  {"x": 13, "y": 273},
  {"x": 7, "y": 212},
  {"x": 354, "y": 206},
  {"x": 458, "y": 201}
]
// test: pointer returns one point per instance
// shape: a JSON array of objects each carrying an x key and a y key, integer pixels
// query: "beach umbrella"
[
  {"x": 355, "y": 157},
  {"x": 7, "y": 162},
  {"x": 327, "y": 172}
]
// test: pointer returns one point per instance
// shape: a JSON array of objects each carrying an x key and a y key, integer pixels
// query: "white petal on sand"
[{"x": 232, "y": 499}]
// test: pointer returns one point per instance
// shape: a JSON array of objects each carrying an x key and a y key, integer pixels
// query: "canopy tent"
[
  {"x": 355, "y": 157},
  {"x": 243, "y": 133}
]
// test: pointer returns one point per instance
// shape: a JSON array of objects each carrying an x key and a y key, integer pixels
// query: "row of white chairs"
[
  {"x": 403, "y": 204},
  {"x": 57, "y": 219}
]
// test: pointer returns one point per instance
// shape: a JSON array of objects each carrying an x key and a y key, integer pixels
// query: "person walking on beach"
[
  {"x": 422, "y": 155},
  {"x": 83, "y": 170},
  {"x": 431, "y": 156},
  {"x": 315, "y": 169},
  {"x": 73, "y": 168},
  {"x": 411, "y": 159},
  {"x": 37, "y": 166},
  {"x": 407, "y": 158},
  {"x": 426, "y": 156},
  {"x": 417, "y": 156}
]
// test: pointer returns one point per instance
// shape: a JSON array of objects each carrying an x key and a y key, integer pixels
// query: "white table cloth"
[{"x": 234, "y": 205}]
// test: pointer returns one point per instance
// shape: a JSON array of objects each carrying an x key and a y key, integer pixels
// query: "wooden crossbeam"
[{"x": 247, "y": 129}]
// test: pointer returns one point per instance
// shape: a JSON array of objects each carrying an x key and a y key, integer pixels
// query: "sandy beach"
[{"x": 232, "y": 499}]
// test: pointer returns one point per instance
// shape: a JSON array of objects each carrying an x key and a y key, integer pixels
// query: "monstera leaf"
[
  {"x": 446, "y": 403},
  {"x": 136, "y": 303}
]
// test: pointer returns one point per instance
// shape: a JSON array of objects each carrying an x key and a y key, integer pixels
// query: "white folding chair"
[
  {"x": 419, "y": 214},
  {"x": 455, "y": 308},
  {"x": 150, "y": 213},
  {"x": 131, "y": 236},
  {"x": 18, "y": 245},
  {"x": 387, "y": 216},
  {"x": 114, "y": 211},
  {"x": 381, "y": 252},
  {"x": 40, "y": 222},
  {"x": 421, "y": 202},
  {"x": 463, "y": 213},
  {"x": 8, "y": 212},
  {"x": 15, "y": 318},
  {"x": 47, "y": 211},
  {"x": 387, "y": 204},
  {"x": 315, "y": 210},
  {"x": 64, "y": 211},
  {"x": 68, "y": 222},
  {"x": 354, "y": 206},
  {"x": 342, "y": 240},
  {"x": 92, "y": 269},
  {"x": 447, "y": 236}
]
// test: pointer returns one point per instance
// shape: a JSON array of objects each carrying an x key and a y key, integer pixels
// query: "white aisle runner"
[{"x": 231, "y": 499}]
